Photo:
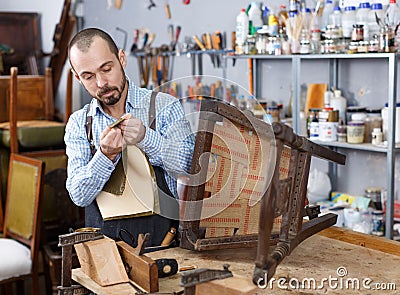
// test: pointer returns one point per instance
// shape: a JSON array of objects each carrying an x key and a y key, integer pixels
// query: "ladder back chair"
[{"x": 19, "y": 246}]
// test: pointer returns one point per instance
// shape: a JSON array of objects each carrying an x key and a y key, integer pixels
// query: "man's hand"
[
  {"x": 111, "y": 142},
  {"x": 133, "y": 130}
]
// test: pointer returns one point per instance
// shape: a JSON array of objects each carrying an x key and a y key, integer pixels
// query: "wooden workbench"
[{"x": 319, "y": 257}]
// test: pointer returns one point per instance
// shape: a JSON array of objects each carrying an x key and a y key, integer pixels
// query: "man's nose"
[{"x": 101, "y": 81}]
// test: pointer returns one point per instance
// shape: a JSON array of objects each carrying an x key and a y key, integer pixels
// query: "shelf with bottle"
[
  {"x": 389, "y": 82},
  {"x": 381, "y": 148},
  {"x": 317, "y": 56}
]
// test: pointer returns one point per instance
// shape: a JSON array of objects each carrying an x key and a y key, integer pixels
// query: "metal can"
[
  {"x": 377, "y": 223},
  {"x": 328, "y": 123}
]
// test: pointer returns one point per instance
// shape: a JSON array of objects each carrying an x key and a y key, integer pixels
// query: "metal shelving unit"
[{"x": 334, "y": 60}]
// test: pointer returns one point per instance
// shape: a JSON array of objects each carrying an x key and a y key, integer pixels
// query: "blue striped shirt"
[{"x": 170, "y": 147}]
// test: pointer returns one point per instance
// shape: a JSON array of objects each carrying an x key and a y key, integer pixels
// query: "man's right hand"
[{"x": 111, "y": 142}]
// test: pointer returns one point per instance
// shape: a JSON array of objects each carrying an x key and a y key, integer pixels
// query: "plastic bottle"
[
  {"x": 393, "y": 14},
  {"x": 338, "y": 102},
  {"x": 328, "y": 9},
  {"x": 348, "y": 20},
  {"x": 376, "y": 8},
  {"x": 282, "y": 17},
  {"x": 335, "y": 18},
  {"x": 362, "y": 17},
  {"x": 307, "y": 13},
  {"x": 242, "y": 30},
  {"x": 255, "y": 15},
  {"x": 273, "y": 23}
]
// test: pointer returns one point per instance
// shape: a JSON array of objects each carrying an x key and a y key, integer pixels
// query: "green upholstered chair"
[
  {"x": 19, "y": 245},
  {"x": 30, "y": 123}
]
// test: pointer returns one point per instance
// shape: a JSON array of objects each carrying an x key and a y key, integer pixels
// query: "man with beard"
[{"x": 94, "y": 148}]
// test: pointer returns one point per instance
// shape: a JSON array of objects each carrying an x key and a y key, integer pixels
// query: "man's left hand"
[{"x": 133, "y": 130}]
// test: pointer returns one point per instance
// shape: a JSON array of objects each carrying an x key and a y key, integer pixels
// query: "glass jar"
[
  {"x": 342, "y": 132},
  {"x": 386, "y": 40},
  {"x": 262, "y": 40},
  {"x": 362, "y": 47},
  {"x": 372, "y": 120},
  {"x": 357, "y": 33},
  {"x": 274, "y": 112},
  {"x": 274, "y": 46},
  {"x": 250, "y": 45},
  {"x": 373, "y": 46},
  {"x": 353, "y": 47},
  {"x": 374, "y": 193}
]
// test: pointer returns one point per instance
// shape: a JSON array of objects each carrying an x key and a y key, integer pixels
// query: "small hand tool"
[
  {"x": 208, "y": 44},
  {"x": 167, "y": 10},
  {"x": 117, "y": 122},
  {"x": 125, "y": 33},
  {"x": 134, "y": 46}
]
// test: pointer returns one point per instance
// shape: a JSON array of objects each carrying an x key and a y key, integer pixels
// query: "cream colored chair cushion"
[{"x": 15, "y": 259}]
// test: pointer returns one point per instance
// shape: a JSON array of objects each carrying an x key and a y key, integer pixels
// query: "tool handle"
[
  {"x": 208, "y": 41},
  {"x": 171, "y": 33},
  {"x": 169, "y": 237},
  {"x": 152, "y": 36},
  {"x": 145, "y": 39},
  {"x": 198, "y": 42},
  {"x": 167, "y": 11},
  {"x": 177, "y": 33},
  {"x": 166, "y": 267}
]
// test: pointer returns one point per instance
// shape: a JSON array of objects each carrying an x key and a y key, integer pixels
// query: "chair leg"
[
  {"x": 20, "y": 285},
  {"x": 35, "y": 284},
  {"x": 8, "y": 288}
]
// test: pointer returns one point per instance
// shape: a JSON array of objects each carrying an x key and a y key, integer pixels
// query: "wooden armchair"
[
  {"x": 249, "y": 187},
  {"x": 19, "y": 246}
]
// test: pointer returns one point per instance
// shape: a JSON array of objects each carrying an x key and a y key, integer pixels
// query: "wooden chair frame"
[
  {"x": 34, "y": 241},
  {"x": 286, "y": 199}
]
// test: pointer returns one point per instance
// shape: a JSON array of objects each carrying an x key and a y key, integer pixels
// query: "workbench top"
[
  {"x": 317, "y": 257},
  {"x": 320, "y": 258}
]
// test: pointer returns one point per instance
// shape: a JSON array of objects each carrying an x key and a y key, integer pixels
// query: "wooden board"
[
  {"x": 100, "y": 260},
  {"x": 120, "y": 289},
  {"x": 236, "y": 285},
  {"x": 372, "y": 242}
]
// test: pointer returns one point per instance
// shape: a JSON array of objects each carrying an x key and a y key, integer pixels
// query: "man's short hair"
[{"x": 84, "y": 39}]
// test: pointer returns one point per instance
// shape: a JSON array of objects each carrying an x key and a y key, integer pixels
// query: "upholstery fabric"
[
  {"x": 15, "y": 259},
  {"x": 35, "y": 134}
]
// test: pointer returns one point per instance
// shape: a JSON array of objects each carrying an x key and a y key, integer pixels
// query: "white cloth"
[{"x": 15, "y": 259}]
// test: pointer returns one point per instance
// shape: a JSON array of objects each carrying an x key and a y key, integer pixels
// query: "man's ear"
[{"x": 122, "y": 57}]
